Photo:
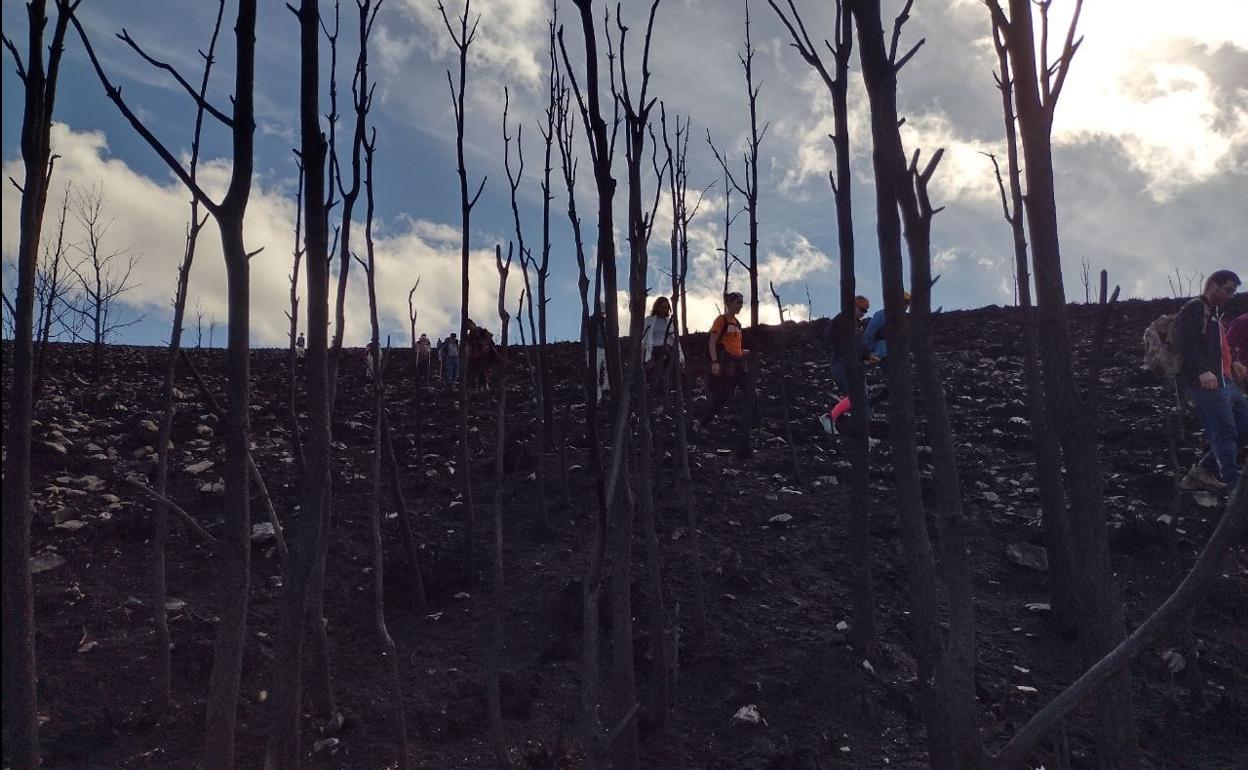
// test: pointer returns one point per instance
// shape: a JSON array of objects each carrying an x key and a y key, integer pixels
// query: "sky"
[{"x": 1150, "y": 153}]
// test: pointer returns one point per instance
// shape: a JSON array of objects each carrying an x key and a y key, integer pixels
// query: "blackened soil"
[{"x": 775, "y": 591}]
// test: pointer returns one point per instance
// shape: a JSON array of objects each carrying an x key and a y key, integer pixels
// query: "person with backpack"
[
  {"x": 1206, "y": 373},
  {"x": 840, "y": 354},
  {"x": 730, "y": 371},
  {"x": 301, "y": 347}
]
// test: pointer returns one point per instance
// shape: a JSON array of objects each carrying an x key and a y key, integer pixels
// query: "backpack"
[{"x": 1161, "y": 347}]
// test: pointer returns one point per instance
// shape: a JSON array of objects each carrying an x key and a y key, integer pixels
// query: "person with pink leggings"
[{"x": 840, "y": 376}]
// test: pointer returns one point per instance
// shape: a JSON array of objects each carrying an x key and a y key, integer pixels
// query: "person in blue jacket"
[{"x": 875, "y": 337}]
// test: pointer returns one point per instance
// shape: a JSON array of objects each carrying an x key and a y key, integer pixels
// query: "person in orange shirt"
[{"x": 730, "y": 371}]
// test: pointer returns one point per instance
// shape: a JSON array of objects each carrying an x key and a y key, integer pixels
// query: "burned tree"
[
  {"x": 1098, "y": 609},
  {"x": 50, "y": 290},
  {"x": 945, "y": 665},
  {"x": 39, "y": 86},
  {"x": 463, "y": 41},
  {"x": 1054, "y": 520},
  {"x": 749, "y": 186},
  {"x": 233, "y": 552},
  {"x": 195, "y": 223},
  {"x": 101, "y": 277},
  {"x": 493, "y": 663},
  {"x": 385, "y": 642},
  {"x": 837, "y": 82}
]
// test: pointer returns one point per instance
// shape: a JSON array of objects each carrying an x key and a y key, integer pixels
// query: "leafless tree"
[
  {"x": 1037, "y": 86},
  {"x": 784, "y": 385},
  {"x": 1053, "y": 513},
  {"x": 195, "y": 223},
  {"x": 526, "y": 258},
  {"x": 677, "y": 149},
  {"x": 411, "y": 311},
  {"x": 234, "y": 552},
  {"x": 292, "y": 344},
  {"x": 749, "y": 187},
  {"x": 463, "y": 40},
  {"x": 387, "y": 650},
  {"x": 946, "y": 664},
  {"x": 636, "y": 107},
  {"x": 39, "y": 88},
  {"x": 543, "y": 267},
  {"x": 51, "y": 289},
  {"x": 101, "y": 276},
  {"x": 497, "y": 605},
  {"x": 837, "y": 82},
  {"x": 597, "y": 742}
]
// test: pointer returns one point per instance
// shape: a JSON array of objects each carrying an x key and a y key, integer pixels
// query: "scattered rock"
[
  {"x": 45, "y": 561},
  {"x": 1028, "y": 556},
  {"x": 197, "y": 468},
  {"x": 263, "y": 532},
  {"x": 748, "y": 715},
  {"x": 781, "y": 518}
]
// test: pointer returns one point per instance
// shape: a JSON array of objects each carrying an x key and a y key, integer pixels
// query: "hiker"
[
  {"x": 450, "y": 359},
  {"x": 840, "y": 354},
  {"x": 875, "y": 337},
  {"x": 480, "y": 354},
  {"x": 371, "y": 360},
  {"x": 1206, "y": 374},
  {"x": 658, "y": 346},
  {"x": 730, "y": 370},
  {"x": 301, "y": 347},
  {"x": 1237, "y": 340},
  {"x": 423, "y": 351}
]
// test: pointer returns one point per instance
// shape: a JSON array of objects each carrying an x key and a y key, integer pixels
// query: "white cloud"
[{"x": 150, "y": 215}]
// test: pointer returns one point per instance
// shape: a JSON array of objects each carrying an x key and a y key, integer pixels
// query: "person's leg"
[
  {"x": 1214, "y": 409},
  {"x": 720, "y": 389},
  {"x": 746, "y": 417},
  {"x": 1239, "y": 416}
]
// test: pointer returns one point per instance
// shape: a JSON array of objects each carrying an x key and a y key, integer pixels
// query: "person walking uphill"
[
  {"x": 730, "y": 371},
  {"x": 840, "y": 354},
  {"x": 659, "y": 349},
  {"x": 1206, "y": 373}
]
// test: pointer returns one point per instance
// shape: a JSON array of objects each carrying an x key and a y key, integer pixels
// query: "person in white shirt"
[{"x": 659, "y": 349}]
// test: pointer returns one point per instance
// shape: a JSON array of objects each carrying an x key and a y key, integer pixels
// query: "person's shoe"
[
  {"x": 828, "y": 426},
  {"x": 1199, "y": 478}
]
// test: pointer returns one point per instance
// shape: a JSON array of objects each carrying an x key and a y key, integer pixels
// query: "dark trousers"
[{"x": 734, "y": 374}]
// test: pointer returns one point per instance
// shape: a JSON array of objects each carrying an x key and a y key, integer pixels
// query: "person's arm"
[{"x": 647, "y": 340}]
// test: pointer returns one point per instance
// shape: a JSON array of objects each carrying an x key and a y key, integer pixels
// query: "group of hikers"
[{"x": 1204, "y": 349}]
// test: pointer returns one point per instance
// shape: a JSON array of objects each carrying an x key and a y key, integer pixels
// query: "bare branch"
[{"x": 199, "y": 99}]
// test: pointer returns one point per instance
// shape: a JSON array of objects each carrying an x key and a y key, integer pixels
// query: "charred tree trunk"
[
  {"x": 385, "y": 642},
  {"x": 463, "y": 40},
  {"x": 233, "y": 551},
  {"x": 1099, "y": 608},
  {"x": 20, "y": 679},
  {"x": 837, "y": 82},
  {"x": 53, "y": 292},
  {"x": 493, "y": 663},
  {"x": 1054, "y": 519},
  {"x": 164, "y": 666},
  {"x": 285, "y": 706},
  {"x": 950, "y": 745}
]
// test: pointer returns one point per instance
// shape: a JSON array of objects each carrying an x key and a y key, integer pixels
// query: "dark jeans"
[
  {"x": 734, "y": 374},
  {"x": 450, "y": 369},
  {"x": 1223, "y": 413},
  {"x": 841, "y": 378}
]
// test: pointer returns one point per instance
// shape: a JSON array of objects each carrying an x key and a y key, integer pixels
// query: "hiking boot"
[
  {"x": 1199, "y": 478},
  {"x": 829, "y": 427}
]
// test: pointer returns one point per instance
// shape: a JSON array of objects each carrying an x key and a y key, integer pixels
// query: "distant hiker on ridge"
[
  {"x": 1206, "y": 374},
  {"x": 658, "y": 347},
  {"x": 301, "y": 347}
]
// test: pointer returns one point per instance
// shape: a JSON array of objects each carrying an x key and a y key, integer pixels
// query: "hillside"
[{"x": 776, "y": 591}]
